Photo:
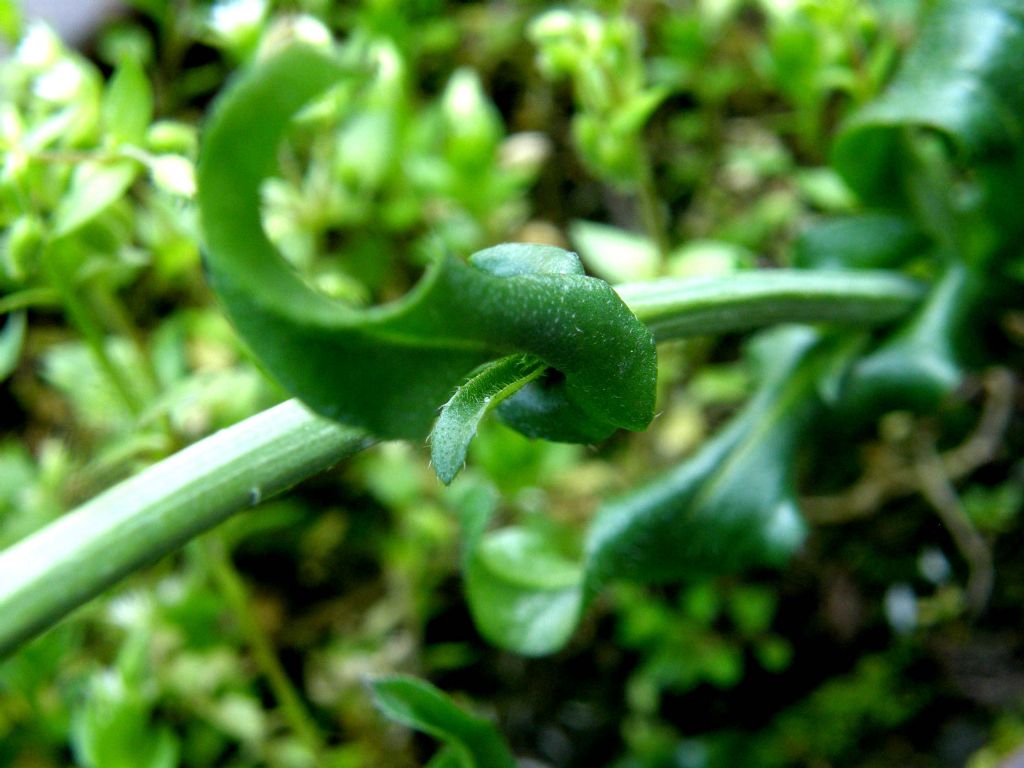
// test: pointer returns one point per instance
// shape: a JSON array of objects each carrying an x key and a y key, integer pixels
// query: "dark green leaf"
[
  {"x": 962, "y": 78},
  {"x": 446, "y": 758},
  {"x": 731, "y": 507},
  {"x": 389, "y": 368},
  {"x": 868, "y": 241},
  {"x": 544, "y": 409},
  {"x": 417, "y": 704},
  {"x": 922, "y": 363}
]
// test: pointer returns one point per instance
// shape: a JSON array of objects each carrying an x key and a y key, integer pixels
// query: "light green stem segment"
[
  {"x": 48, "y": 574},
  {"x": 677, "y": 307}
]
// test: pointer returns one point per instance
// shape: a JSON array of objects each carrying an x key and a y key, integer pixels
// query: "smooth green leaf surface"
[
  {"x": 962, "y": 78},
  {"x": 417, "y": 704},
  {"x": 678, "y": 307},
  {"x": 922, "y": 362},
  {"x": 45, "y": 576},
  {"x": 390, "y": 368},
  {"x": 733, "y": 505}
]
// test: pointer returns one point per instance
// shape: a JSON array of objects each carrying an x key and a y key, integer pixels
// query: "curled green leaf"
[
  {"x": 962, "y": 78},
  {"x": 472, "y": 741},
  {"x": 389, "y": 368},
  {"x": 922, "y": 362}
]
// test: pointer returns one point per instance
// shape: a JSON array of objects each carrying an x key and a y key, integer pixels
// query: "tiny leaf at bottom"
[{"x": 460, "y": 416}]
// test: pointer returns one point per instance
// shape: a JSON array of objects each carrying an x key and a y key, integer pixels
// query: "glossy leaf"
[
  {"x": 961, "y": 78},
  {"x": 460, "y": 416},
  {"x": 471, "y": 741},
  {"x": 732, "y": 506},
  {"x": 389, "y": 368}
]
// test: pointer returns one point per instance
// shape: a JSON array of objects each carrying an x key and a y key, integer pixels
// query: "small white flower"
[
  {"x": 901, "y": 608},
  {"x": 231, "y": 19},
  {"x": 129, "y": 610},
  {"x": 61, "y": 83},
  {"x": 40, "y": 48},
  {"x": 525, "y": 151},
  {"x": 554, "y": 23},
  {"x": 289, "y": 29},
  {"x": 311, "y": 30},
  {"x": 463, "y": 99},
  {"x": 780, "y": 9}
]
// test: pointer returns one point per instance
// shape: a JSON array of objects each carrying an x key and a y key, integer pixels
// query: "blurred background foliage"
[{"x": 656, "y": 137}]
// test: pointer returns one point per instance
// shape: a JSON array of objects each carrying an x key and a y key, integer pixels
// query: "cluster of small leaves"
[{"x": 603, "y": 58}]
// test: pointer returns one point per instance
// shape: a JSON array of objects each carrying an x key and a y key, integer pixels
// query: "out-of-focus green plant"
[
  {"x": 402, "y": 155},
  {"x": 816, "y": 51},
  {"x": 603, "y": 58}
]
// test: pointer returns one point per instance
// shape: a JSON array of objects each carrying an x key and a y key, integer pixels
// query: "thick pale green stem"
[
  {"x": 55, "y": 570},
  {"x": 47, "y": 575},
  {"x": 679, "y": 307}
]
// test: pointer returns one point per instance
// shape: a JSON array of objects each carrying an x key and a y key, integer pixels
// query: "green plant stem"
[
  {"x": 53, "y": 571},
  {"x": 233, "y": 589},
  {"x": 120, "y": 320},
  {"x": 650, "y": 207},
  {"x": 57, "y": 263},
  {"x": 679, "y": 307},
  {"x": 30, "y": 297}
]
